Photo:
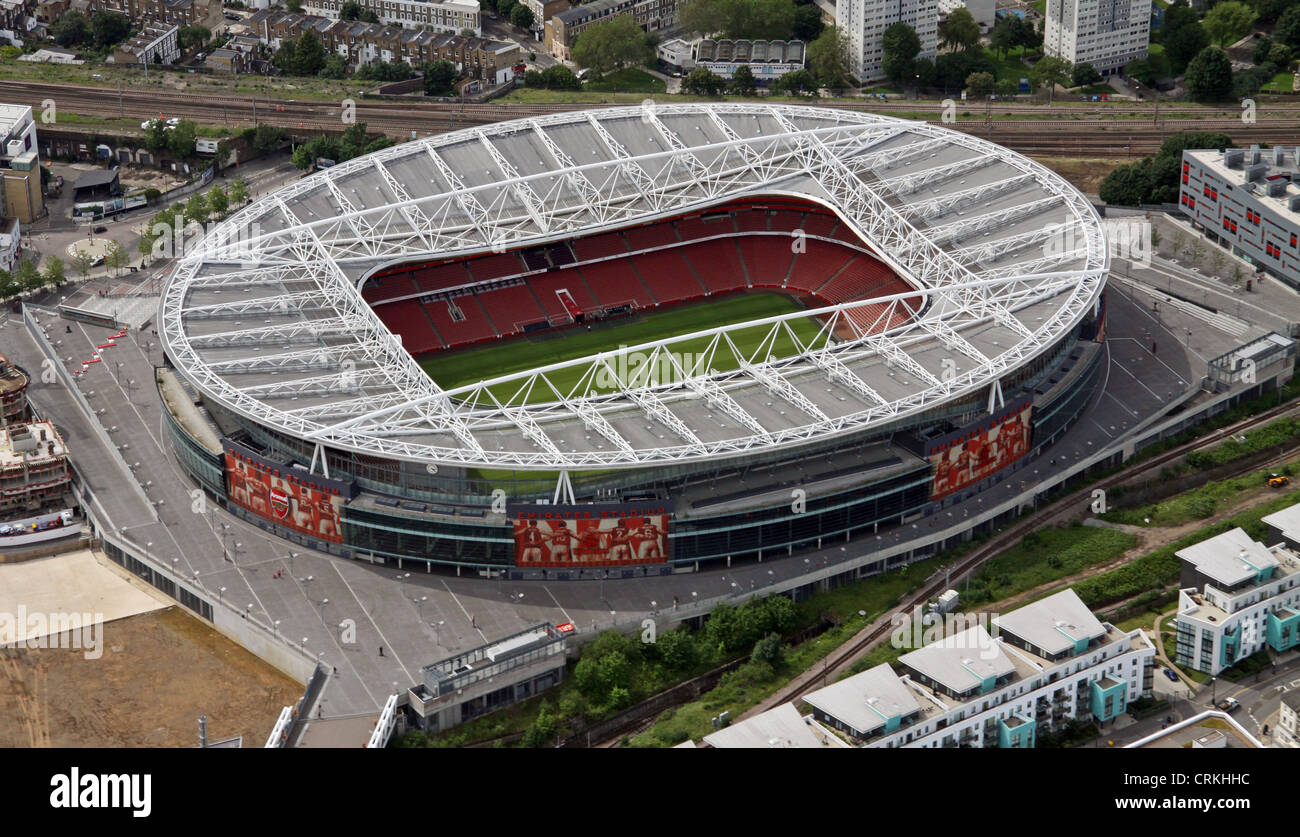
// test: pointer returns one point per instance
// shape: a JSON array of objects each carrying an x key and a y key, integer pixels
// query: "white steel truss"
[{"x": 354, "y": 387}]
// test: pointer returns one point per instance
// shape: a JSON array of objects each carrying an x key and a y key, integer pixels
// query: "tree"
[
  {"x": 1084, "y": 74},
  {"x": 677, "y": 649},
  {"x": 266, "y": 138},
  {"x": 979, "y": 85},
  {"x": 1287, "y": 30},
  {"x": 196, "y": 209},
  {"x": 193, "y": 37},
  {"x": 1184, "y": 44},
  {"x": 109, "y": 28},
  {"x": 181, "y": 138},
  {"x": 1229, "y": 22},
  {"x": 1049, "y": 72},
  {"x": 703, "y": 82},
  {"x": 924, "y": 73},
  {"x": 702, "y": 17},
  {"x": 71, "y": 29},
  {"x": 808, "y": 24},
  {"x": 1269, "y": 10},
  {"x": 1260, "y": 53},
  {"x": 238, "y": 191},
  {"x": 54, "y": 271},
  {"x": 116, "y": 258},
  {"x": 505, "y": 7},
  {"x": 522, "y": 17},
  {"x": 336, "y": 66},
  {"x": 294, "y": 6},
  {"x": 1280, "y": 54},
  {"x": 560, "y": 77},
  {"x": 742, "y": 81},
  {"x": 350, "y": 10},
  {"x": 541, "y": 733},
  {"x": 1142, "y": 71},
  {"x": 610, "y": 44},
  {"x": 1004, "y": 37},
  {"x": 309, "y": 54},
  {"x": 145, "y": 245},
  {"x": 83, "y": 262},
  {"x": 439, "y": 77},
  {"x": 769, "y": 650},
  {"x": 959, "y": 31},
  {"x": 218, "y": 201},
  {"x": 29, "y": 278},
  {"x": 901, "y": 46},
  {"x": 1209, "y": 76},
  {"x": 157, "y": 136},
  {"x": 953, "y": 68},
  {"x": 797, "y": 83},
  {"x": 369, "y": 16},
  {"x": 1218, "y": 261},
  {"x": 829, "y": 59}
]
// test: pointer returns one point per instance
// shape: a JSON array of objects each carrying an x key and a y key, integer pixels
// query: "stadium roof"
[{"x": 265, "y": 318}]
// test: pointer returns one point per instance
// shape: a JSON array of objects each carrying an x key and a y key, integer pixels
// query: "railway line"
[
  {"x": 839, "y": 661},
  {"x": 1102, "y": 135}
]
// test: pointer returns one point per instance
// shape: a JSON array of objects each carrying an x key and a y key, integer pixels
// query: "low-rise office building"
[
  {"x": 1237, "y": 597},
  {"x": 1248, "y": 201},
  {"x": 1052, "y": 662},
  {"x": 767, "y": 60}
]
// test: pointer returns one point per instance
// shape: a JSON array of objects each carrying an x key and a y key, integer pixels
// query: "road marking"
[
  {"x": 464, "y": 611},
  {"x": 378, "y": 630},
  {"x": 557, "y": 604}
]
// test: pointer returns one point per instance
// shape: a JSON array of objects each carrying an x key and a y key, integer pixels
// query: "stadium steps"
[
  {"x": 695, "y": 274},
  {"x": 641, "y": 281},
  {"x": 486, "y": 315},
  {"x": 744, "y": 268},
  {"x": 818, "y": 290},
  {"x": 586, "y": 286},
  {"x": 537, "y": 299}
]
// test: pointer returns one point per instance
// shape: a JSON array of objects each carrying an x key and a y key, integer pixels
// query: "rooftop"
[
  {"x": 1231, "y": 558},
  {"x": 866, "y": 700},
  {"x": 1277, "y": 168},
  {"x": 29, "y": 443},
  {"x": 778, "y": 728},
  {"x": 1286, "y": 520},
  {"x": 1055, "y": 624},
  {"x": 962, "y": 662}
]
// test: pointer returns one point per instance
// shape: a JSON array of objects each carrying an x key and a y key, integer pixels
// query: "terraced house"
[
  {"x": 180, "y": 13},
  {"x": 453, "y": 16},
  {"x": 362, "y": 44}
]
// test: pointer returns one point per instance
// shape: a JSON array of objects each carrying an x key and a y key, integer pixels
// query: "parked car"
[
  {"x": 101, "y": 230},
  {"x": 1171, "y": 674},
  {"x": 1229, "y": 705}
]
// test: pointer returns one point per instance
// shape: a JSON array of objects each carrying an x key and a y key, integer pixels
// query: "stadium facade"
[{"x": 945, "y": 323}]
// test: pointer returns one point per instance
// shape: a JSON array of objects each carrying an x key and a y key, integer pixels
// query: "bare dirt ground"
[
  {"x": 1086, "y": 174},
  {"x": 159, "y": 672}
]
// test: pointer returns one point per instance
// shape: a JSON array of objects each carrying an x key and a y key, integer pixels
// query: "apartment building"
[
  {"x": 33, "y": 466},
  {"x": 20, "y": 164},
  {"x": 154, "y": 44},
  {"x": 1051, "y": 662},
  {"x": 452, "y": 16},
  {"x": 865, "y": 22},
  {"x": 1249, "y": 201},
  {"x": 1104, "y": 33},
  {"x": 1237, "y": 597},
  {"x": 361, "y": 44},
  {"x": 564, "y": 27}
]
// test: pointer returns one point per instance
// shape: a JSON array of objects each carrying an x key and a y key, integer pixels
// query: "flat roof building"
[
  {"x": 779, "y": 729},
  {"x": 1236, "y": 597},
  {"x": 1104, "y": 33},
  {"x": 1247, "y": 200},
  {"x": 21, "y": 164},
  {"x": 1053, "y": 662}
]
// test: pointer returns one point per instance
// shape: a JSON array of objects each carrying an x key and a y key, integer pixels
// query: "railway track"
[
  {"x": 1060, "y": 136},
  {"x": 1062, "y": 509}
]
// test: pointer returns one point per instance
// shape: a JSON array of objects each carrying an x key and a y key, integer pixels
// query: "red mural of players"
[
  {"x": 609, "y": 541},
  {"x": 968, "y": 461},
  {"x": 294, "y": 504}
]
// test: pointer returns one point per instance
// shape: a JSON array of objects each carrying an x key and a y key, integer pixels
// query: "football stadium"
[{"x": 651, "y": 338}]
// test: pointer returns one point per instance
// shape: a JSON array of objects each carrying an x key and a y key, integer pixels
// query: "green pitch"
[{"x": 454, "y": 369}]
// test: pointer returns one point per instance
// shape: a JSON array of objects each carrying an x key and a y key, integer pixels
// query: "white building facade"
[
  {"x": 1052, "y": 663},
  {"x": 1104, "y": 33},
  {"x": 450, "y": 16},
  {"x": 865, "y": 22},
  {"x": 1237, "y": 597}
]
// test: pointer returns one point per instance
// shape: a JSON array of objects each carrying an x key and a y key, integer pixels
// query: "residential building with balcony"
[
  {"x": 1052, "y": 662},
  {"x": 1237, "y": 597}
]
